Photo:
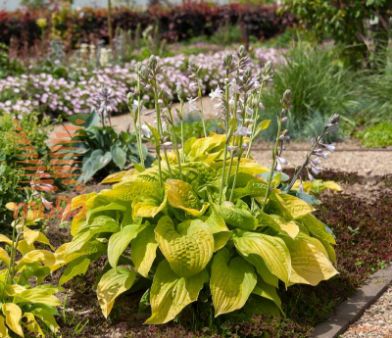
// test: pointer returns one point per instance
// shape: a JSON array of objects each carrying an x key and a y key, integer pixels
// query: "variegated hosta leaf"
[
  {"x": 144, "y": 248},
  {"x": 317, "y": 228},
  {"x": 270, "y": 249},
  {"x": 181, "y": 195},
  {"x": 32, "y": 325},
  {"x": 309, "y": 260},
  {"x": 148, "y": 207},
  {"x": 41, "y": 294},
  {"x": 45, "y": 257},
  {"x": 269, "y": 292},
  {"x": 13, "y": 316},
  {"x": 291, "y": 206},
  {"x": 231, "y": 282},
  {"x": 236, "y": 217},
  {"x": 170, "y": 293},
  {"x": 119, "y": 241},
  {"x": 279, "y": 224},
  {"x": 189, "y": 248},
  {"x": 32, "y": 236},
  {"x": 75, "y": 268},
  {"x": 112, "y": 284},
  {"x": 219, "y": 229}
]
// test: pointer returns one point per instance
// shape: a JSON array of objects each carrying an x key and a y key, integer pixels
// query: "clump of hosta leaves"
[
  {"x": 204, "y": 219},
  {"x": 28, "y": 304}
]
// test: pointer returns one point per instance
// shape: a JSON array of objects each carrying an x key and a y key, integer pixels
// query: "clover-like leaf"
[
  {"x": 231, "y": 282},
  {"x": 188, "y": 249}
]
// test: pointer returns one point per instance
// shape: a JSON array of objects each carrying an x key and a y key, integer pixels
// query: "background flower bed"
[{"x": 176, "y": 23}]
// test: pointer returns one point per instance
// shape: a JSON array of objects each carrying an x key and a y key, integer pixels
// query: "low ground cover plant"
[
  {"x": 205, "y": 223},
  {"x": 379, "y": 135}
]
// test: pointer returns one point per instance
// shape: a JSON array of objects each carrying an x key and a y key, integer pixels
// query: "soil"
[{"x": 361, "y": 219}]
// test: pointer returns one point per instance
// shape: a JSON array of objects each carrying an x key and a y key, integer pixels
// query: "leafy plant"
[
  {"x": 102, "y": 149},
  {"x": 7, "y": 66},
  {"x": 319, "y": 85},
  {"x": 205, "y": 221},
  {"x": 27, "y": 303},
  {"x": 379, "y": 135}
]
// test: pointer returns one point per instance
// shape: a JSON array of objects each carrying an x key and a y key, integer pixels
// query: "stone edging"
[{"x": 350, "y": 310}]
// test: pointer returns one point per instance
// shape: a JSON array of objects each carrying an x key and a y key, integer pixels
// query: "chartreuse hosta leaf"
[
  {"x": 41, "y": 294},
  {"x": 119, "y": 241},
  {"x": 3, "y": 327},
  {"x": 291, "y": 206},
  {"x": 205, "y": 149},
  {"x": 170, "y": 293},
  {"x": 270, "y": 249},
  {"x": 144, "y": 248},
  {"x": 181, "y": 195},
  {"x": 77, "y": 267},
  {"x": 269, "y": 292},
  {"x": 188, "y": 247},
  {"x": 32, "y": 325},
  {"x": 237, "y": 217},
  {"x": 218, "y": 228},
  {"x": 231, "y": 283},
  {"x": 279, "y": 224},
  {"x": 309, "y": 260},
  {"x": 13, "y": 317},
  {"x": 112, "y": 284}
]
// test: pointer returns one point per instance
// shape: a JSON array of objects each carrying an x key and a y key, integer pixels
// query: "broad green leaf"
[
  {"x": 41, "y": 294},
  {"x": 272, "y": 250},
  {"x": 254, "y": 187},
  {"x": 170, "y": 293},
  {"x": 231, "y": 283},
  {"x": 292, "y": 206},
  {"x": 263, "y": 125},
  {"x": 3, "y": 328},
  {"x": 46, "y": 314},
  {"x": 144, "y": 248},
  {"x": 4, "y": 257},
  {"x": 181, "y": 195},
  {"x": 112, "y": 284},
  {"x": 93, "y": 163},
  {"x": 218, "y": 228},
  {"x": 188, "y": 249},
  {"x": 309, "y": 260},
  {"x": 32, "y": 325},
  {"x": 269, "y": 292},
  {"x": 119, "y": 241},
  {"x": 279, "y": 224},
  {"x": 317, "y": 228},
  {"x": 75, "y": 268},
  {"x": 13, "y": 316},
  {"x": 236, "y": 217},
  {"x": 119, "y": 156}
]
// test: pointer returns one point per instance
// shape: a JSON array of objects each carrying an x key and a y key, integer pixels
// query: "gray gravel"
[{"x": 376, "y": 322}]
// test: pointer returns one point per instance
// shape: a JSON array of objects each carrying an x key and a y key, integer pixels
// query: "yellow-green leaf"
[
  {"x": 170, "y": 293},
  {"x": 32, "y": 236},
  {"x": 75, "y": 268},
  {"x": 119, "y": 241},
  {"x": 13, "y": 316},
  {"x": 143, "y": 252},
  {"x": 5, "y": 239},
  {"x": 181, "y": 195},
  {"x": 4, "y": 257},
  {"x": 292, "y": 206},
  {"x": 317, "y": 228},
  {"x": 112, "y": 284},
  {"x": 269, "y": 292},
  {"x": 41, "y": 294},
  {"x": 46, "y": 257},
  {"x": 309, "y": 260},
  {"x": 279, "y": 224},
  {"x": 272, "y": 250},
  {"x": 188, "y": 248},
  {"x": 147, "y": 207},
  {"x": 231, "y": 283},
  {"x": 32, "y": 325},
  {"x": 236, "y": 217},
  {"x": 219, "y": 229},
  {"x": 3, "y": 328}
]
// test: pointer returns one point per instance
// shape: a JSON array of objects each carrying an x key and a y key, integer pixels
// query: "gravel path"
[{"x": 376, "y": 322}]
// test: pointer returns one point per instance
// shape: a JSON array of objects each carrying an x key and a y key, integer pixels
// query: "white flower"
[
  {"x": 216, "y": 94},
  {"x": 146, "y": 132},
  {"x": 191, "y": 104},
  {"x": 242, "y": 131}
]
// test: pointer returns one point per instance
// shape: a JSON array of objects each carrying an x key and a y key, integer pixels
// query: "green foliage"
[
  {"x": 28, "y": 305},
  {"x": 319, "y": 84},
  {"x": 103, "y": 149},
  {"x": 171, "y": 231},
  {"x": 345, "y": 22},
  {"x": 7, "y": 66},
  {"x": 379, "y": 135}
]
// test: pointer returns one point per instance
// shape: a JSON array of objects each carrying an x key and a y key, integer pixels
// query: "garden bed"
[{"x": 361, "y": 220}]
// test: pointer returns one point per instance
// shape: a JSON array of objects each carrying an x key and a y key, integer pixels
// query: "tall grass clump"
[{"x": 320, "y": 86}]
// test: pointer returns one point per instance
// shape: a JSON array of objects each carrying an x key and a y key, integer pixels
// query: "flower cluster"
[{"x": 54, "y": 96}]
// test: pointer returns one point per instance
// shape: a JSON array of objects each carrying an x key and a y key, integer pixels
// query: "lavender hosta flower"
[
  {"x": 243, "y": 131},
  {"x": 146, "y": 132},
  {"x": 191, "y": 104}
]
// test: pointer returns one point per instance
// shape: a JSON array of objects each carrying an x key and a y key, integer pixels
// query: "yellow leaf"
[
  {"x": 5, "y": 239},
  {"x": 13, "y": 316},
  {"x": 3, "y": 328},
  {"x": 31, "y": 236},
  {"x": 32, "y": 325},
  {"x": 46, "y": 257},
  {"x": 292, "y": 206},
  {"x": 4, "y": 257}
]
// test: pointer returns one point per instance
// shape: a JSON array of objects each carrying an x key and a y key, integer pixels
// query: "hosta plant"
[
  {"x": 27, "y": 303},
  {"x": 205, "y": 219}
]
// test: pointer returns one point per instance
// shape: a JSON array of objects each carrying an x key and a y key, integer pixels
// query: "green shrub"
[
  {"x": 319, "y": 85},
  {"x": 7, "y": 66},
  {"x": 379, "y": 135}
]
